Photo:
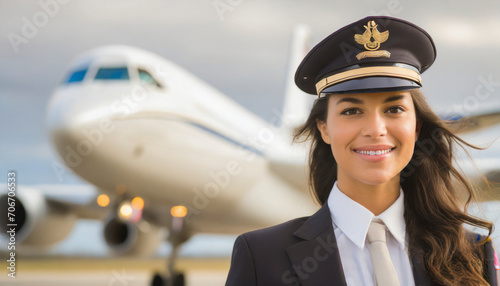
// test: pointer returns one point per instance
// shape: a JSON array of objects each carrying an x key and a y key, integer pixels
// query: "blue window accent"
[
  {"x": 77, "y": 76},
  {"x": 147, "y": 78},
  {"x": 240, "y": 145},
  {"x": 451, "y": 117},
  {"x": 120, "y": 73}
]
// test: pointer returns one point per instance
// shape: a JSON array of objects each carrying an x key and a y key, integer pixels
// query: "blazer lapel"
[{"x": 316, "y": 260}]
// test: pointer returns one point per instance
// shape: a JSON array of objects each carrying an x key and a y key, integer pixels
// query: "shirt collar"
[{"x": 354, "y": 219}]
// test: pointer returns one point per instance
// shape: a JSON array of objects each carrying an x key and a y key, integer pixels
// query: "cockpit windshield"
[
  {"x": 115, "y": 73},
  {"x": 112, "y": 73},
  {"x": 76, "y": 76}
]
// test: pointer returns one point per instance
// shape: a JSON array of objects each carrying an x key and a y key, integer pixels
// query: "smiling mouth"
[{"x": 374, "y": 153}]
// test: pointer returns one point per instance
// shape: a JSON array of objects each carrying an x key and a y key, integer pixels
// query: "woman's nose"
[{"x": 375, "y": 126}]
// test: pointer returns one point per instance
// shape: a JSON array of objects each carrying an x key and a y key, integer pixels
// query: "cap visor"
[{"x": 371, "y": 84}]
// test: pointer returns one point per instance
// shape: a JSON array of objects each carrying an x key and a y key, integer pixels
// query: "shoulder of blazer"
[
  {"x": 491, "y": 265},
  {"x": 258, "y": 256},
  {"x": 304, "y": 228},
  {"x": 276, "y": 232},
  {"x": 276, "y": 255},
  {"x": 490, "y": 257}
]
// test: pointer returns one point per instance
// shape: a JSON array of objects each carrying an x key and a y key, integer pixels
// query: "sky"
[{"x": 238, "y": 46}]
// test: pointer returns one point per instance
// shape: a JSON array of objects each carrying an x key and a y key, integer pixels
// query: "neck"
[{"x": 376, "y": 198}]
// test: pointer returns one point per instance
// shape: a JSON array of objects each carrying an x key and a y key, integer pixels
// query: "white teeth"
[{"x": 373, "y": 153}]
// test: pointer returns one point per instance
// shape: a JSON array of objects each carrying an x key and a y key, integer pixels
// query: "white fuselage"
[{"x": 180, "y": 143}]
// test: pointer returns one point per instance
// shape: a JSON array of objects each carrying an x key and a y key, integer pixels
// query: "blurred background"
[{"x": 241, "y": 48}]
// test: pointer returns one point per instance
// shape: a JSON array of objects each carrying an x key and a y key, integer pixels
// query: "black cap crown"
[{"x": 377, "y": 53}]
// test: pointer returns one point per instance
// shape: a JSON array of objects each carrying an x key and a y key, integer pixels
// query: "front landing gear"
[
  {"x": 178, "y": 280},
  {"x": 178, "y": 235}
]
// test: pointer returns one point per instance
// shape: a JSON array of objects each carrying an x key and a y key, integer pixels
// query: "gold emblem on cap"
[{"x": 365, "y": 39}]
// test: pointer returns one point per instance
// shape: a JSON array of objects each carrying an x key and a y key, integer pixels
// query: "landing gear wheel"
[
  {"x": 179, "y": 280},
  {"x": 159, "y": 280},
  {"x": 178, "y": 235}
]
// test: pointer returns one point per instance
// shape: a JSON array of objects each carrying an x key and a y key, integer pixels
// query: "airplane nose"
[
  {"x": 72, "y": 121},
  {"x": 79, "y": 116},
  {"x": 78, "y": 106},
  {"x": 57, "y": 115},
  {"x": 71, "y": 109},
  {"x": 62, "y": 122}
]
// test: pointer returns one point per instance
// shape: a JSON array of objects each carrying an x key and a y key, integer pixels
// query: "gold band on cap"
[{"x": 389, "y": 71}]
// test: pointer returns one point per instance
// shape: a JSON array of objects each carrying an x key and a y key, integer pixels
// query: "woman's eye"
[
  {"x": 350, "y": 111},
  {"x": 395, "y": 109}
]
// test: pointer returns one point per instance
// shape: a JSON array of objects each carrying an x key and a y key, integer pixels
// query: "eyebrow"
[
  {"x": 394, "y": 98},
  {"x": 359, "y": 101},
  {"x": 350, "y": 99}
]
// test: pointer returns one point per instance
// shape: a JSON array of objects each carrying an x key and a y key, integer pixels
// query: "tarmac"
[{"x": 55, "y": 271}]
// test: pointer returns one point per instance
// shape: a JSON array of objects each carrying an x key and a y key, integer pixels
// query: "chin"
[{"x": 375, "y": 178}]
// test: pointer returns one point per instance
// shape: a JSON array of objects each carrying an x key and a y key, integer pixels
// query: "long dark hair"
[{"x": 433, "y": 216}]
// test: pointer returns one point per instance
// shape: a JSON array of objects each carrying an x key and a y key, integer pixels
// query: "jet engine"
[
  {"x": 35, "y": 221},
  {"x": 129, "y": 238}
]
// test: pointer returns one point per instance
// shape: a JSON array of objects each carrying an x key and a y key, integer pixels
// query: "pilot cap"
[{"x": 377, "y": 53}]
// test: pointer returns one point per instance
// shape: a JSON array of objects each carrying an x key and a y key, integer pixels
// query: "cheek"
[
  {"x": 341, "y": 137},
  {"x": 407, "y": 130},
  {"x": 405, "y": 134}
]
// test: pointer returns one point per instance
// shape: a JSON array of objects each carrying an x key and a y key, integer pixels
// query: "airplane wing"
[
  {"x": 484, "y": 174},
  {"x": 46, "y": 214},
  {"x": 474, "y": 121},
  {"x": 292, "y": 172}
]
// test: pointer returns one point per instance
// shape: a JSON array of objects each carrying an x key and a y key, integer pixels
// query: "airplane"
[{"x": 166, "y": 151}]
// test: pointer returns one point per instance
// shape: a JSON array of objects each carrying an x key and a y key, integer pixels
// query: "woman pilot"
[{"x": 381, "y": 167}]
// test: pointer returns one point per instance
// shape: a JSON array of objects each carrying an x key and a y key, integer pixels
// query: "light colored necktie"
[{"x": 383, "y": 269}]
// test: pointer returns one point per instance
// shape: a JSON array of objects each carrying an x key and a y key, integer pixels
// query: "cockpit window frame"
[{"x": 107, "y": 77}]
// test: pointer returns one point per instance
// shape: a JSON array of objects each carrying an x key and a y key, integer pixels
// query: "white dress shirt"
[{"x": 350, "y": 224}]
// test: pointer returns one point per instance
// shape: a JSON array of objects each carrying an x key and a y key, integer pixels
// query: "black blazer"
[{"x": 304, "y": 252}]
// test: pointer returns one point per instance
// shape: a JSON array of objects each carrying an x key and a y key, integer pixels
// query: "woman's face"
[{"x": 372, "y": 135}]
